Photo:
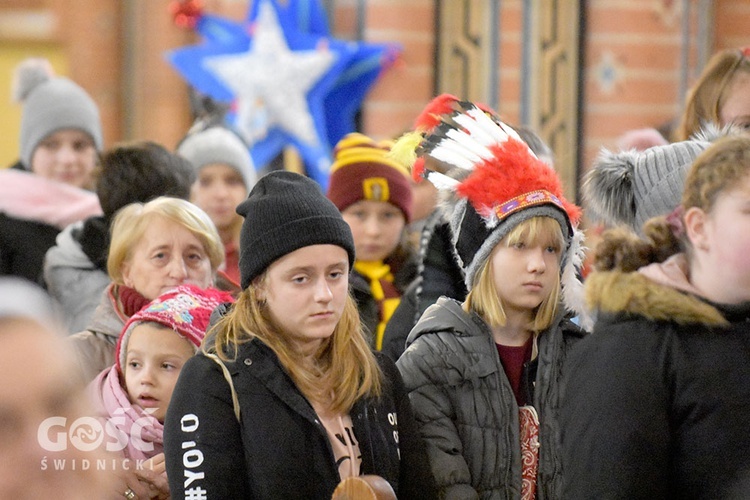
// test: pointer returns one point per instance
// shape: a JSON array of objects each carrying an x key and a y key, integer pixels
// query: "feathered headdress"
[
  {"x": 404, "y": 150},
  {"x": 499, "y": 183}
]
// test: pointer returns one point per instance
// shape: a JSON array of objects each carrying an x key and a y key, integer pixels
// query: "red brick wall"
[
  {"x": 91, "y": 33},
  {"x": 403, "y": 90},
  {"x": 638, "y": 40},
  {"x": 641, "y": 40},
  {"x": 732, "y": 24},
  {"x": 632, "y": 71}
]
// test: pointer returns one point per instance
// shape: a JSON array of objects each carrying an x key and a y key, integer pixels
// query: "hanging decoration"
[{"x": 286, "y": 80}]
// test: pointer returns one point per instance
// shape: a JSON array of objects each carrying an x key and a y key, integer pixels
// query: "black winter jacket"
[
  {"x": 438, "y": 275},
  {"x": 658, "y": 396},
  {"x": 280, "y": 450},
  {"x": 23, "y": 244}
]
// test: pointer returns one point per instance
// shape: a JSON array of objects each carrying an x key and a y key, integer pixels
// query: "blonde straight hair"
[
  {"x": 483, "y": 298},
  {"x": 132, "y": 221},
  {"x": 344, "y": 368}
]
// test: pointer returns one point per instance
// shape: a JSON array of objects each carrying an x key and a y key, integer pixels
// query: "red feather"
[
  {"x": 429, "y": 118},
  {"x": 514, "y": 171},
  {"x": 417, "y": 169},
  {"x": 186, "y": 13}
]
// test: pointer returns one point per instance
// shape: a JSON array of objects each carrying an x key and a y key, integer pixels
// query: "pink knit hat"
[{"x": 185, "y": 309}]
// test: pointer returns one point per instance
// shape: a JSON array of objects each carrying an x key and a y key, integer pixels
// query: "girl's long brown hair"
[{"x": 342, "y": 371}]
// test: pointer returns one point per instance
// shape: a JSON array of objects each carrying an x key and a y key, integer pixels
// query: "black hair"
[{"x": 140, "y": 172}]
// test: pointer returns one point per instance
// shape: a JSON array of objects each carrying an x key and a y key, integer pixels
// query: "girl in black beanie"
[{"x": 287, "y": 399}]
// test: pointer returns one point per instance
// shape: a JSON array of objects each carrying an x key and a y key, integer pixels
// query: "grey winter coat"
[
  {"x": 466, "y": 409},
  {"x": 73, "y": 280},
  {"x": 95, "y": 347}
]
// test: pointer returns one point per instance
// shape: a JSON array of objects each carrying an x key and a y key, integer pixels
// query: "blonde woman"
[
  {"x": 313, "y": 404},
  {"x": 155, "y": 247}
]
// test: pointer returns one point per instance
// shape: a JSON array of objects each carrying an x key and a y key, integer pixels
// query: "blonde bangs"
[
  {"x": 483, "y": 298},
  {"x": 544, "y": 231}
]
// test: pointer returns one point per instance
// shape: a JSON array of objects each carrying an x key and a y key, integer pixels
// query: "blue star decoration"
[
  {"x": 288, "y": 81},
  {"x": 367, "y": 61}
]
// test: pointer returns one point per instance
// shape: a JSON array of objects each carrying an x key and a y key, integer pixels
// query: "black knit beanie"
[{"x": 286, "y": 211}]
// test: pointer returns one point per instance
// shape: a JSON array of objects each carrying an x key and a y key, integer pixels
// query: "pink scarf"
[
  {"x": 28, "y": 196},
  {"x": 673, "y": 273},
  {"x": 142, "y": 432}
]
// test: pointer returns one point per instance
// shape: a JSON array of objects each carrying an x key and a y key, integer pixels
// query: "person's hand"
[
  {"x": 128, "y": 485},
  {"x": 146, "y": 481},
  {"x": 154, "y": 475}
]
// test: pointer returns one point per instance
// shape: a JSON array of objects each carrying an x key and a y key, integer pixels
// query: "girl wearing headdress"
[{"x": 484, "y": 375}]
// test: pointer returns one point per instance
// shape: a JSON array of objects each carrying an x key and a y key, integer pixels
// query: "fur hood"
[{"x": 633, "y": 293}]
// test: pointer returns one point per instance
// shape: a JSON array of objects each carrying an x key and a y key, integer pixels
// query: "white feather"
[
  {"x": 466, "y": 141},
  {"x": 449, "y": 153},
  {"x": 483, "y": 135},
  {"x": 441, "y": 181},
  {"x": 572, "y": 288},
  {"x": 492, "y": 128},
  {"x": 484, "y": 126},
  {"x": 510, "y": 131}
]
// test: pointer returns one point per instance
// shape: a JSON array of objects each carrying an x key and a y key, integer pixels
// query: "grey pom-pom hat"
[
  {"x": 630, "y": 187},
  {"x": 51, "y": 103},
  {"x": 218, "y": 144}
]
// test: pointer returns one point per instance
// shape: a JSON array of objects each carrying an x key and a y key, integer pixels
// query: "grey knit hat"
[
  {"x": 630, "y": 187},
  {"x": 219, "y": 145},
  {"x": 286, "y": 211},
  {"x": 51, "y": 103}
]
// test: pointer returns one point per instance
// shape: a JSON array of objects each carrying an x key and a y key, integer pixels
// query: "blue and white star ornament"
[
  {"x": 277, "y": 80},
  {"x": 366, "y": 62},
  {"x": 284, "y": 78}
]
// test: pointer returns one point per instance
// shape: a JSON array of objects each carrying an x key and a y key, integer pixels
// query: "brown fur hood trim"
[{"x": 615, "y": 292}]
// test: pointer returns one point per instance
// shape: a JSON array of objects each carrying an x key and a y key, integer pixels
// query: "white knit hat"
[
  {"x": 219, "y": 145},
  {"x": 51, "y": 103}
]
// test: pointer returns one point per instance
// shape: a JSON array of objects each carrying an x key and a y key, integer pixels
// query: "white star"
[{"x": 270, "y": 82}]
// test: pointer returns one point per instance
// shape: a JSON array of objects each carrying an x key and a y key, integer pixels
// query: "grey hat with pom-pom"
[
  {"x": 51, "y": 103},
  {"x": 630, "y": 187}
]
